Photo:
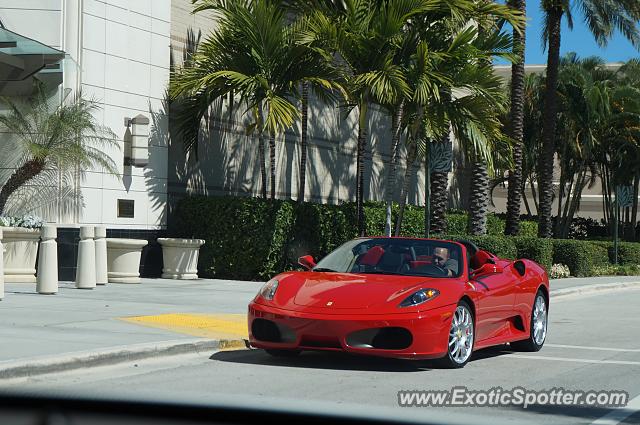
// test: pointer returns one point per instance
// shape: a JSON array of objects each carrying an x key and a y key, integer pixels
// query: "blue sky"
[{"x": 579, "y": 40}]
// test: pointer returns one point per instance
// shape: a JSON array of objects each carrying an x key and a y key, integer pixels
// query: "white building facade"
[{"x": 117, "y": 52}]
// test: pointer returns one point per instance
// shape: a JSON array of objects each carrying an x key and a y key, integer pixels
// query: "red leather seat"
[
  {"x": 372, "y": 257},
  {"x": 481, "y": 258}
]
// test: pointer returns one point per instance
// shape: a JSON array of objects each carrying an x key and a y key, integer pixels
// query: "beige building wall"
[{"x": 228, "y": 157}]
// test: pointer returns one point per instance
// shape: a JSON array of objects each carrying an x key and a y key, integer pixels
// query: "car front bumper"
[{"x": 417, "y": 335}]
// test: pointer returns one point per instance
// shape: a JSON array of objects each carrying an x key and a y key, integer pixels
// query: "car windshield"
[{"x": 407, "y": 257}]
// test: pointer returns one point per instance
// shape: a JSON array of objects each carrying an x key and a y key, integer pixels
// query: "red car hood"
[{"x": 350, "y": 291}]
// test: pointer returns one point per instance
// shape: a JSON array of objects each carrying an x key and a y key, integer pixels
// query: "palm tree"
[
  {"x": 254, "y": 54},
  {"x": 367, "y": 41},
  {"x": 471, "y": 115},
  {"x": 59, "y": 137},
  {"x": 304, "y": 118},
  {"x": 516, "y": 124},
  {"x": 602, "y": 18}
]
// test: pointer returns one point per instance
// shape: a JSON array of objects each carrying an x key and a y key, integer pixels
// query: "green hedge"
[
  {"x": 628, "y": 253},
  {"x": 245, "y": 237},
  {"x": 580, "y": 256},
  {"x": 528, "y": 229},
  {"x": 536, "y": 249},
  {"x": 252, "y": 238},
  {"x": 502, "y": 246}
]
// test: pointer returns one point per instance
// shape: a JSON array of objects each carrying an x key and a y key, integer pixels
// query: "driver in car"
[{"x": 441, "y": 259}]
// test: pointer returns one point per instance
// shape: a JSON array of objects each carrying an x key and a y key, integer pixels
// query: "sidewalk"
[
  {"x": 80, "y": 320},
  {"x": 153, "y": 317}
]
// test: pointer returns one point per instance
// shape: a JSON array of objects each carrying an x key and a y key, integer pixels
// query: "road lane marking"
[
  {"x": 569, "y": 359},
  {"x": 620, "y": 414},
  {"x": 583, "y": 347},
  {"x": 212, "y": 326}
]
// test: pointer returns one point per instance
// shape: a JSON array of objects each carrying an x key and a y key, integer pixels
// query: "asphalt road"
[{"x": 593, "y": 344}]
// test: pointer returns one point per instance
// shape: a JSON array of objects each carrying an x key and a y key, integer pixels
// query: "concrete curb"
[
  {"x": 35, "y": 366},
  {"x": 590, "y": 289}
]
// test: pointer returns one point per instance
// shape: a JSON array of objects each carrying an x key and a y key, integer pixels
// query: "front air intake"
[{"x": 265, "y": 330}]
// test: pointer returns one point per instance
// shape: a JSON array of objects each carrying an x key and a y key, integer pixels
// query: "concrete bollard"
[
  {"x": 1, "y": 267},
  {"x": 86, "y": 267},
  {"x": 47, "y": 277},
  {"x": 102, "y": 276}
]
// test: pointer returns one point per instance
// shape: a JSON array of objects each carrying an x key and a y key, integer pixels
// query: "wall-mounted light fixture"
[{"x": 139, "y": 141}]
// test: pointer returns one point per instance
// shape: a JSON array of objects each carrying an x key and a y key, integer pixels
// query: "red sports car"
[{"x": 403, "y": 298}]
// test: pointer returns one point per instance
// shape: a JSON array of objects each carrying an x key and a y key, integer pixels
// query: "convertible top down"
[{"x": 403, "y": 298}]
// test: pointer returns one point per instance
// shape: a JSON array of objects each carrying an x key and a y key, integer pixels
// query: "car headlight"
[
  {"x": 419, "y": 297},
  {"x": 268, "y": 290}
]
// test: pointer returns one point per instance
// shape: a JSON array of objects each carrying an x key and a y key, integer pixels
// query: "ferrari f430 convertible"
[{"x": 403, "y": 298}]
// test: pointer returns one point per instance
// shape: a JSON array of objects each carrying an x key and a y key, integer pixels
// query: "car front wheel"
[{"x": 461, "y": 337}]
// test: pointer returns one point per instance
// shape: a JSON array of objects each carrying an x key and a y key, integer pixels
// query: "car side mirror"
[
  {"x": 307, "y": 262},
  {"x": 487, "y": 269}
]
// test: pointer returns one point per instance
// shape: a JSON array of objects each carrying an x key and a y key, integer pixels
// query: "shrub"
[
  {"x": 245, "y": 237},
  {"x": 374, "y": 217},
  {"x": 528, "y": 229},
  {"x": 27, "y": 222},
  {"x": 628, "y": 253},
  {"x": 580, "y": 256},
  {"x": 456, "y": 223},
  {"x": 536, "y": 249},
  {"x": 559, "y": 271},
  {"x": 616, "y": 270},
  {"x": 413, "y": 222},
  {"x": 495, "y": 225},
  {"x": 319, "y": 229}
]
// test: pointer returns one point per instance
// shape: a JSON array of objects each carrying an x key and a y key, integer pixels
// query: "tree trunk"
[
  {"x": 534, "y": 196},
  {"x": 303, "y": 141},
  {"x": 545, "y": 164},
  {"x": 479, "y": 199},
  {"x": 523, "y": 194},
  {"x": 575, "y": 202},
  {"x": 261, "y": 152},
  {"x": 396, "y": 130},
  {"x": 516, "y": 127},
  {"x": 362, "y": 139},
  {"x": 561, "y": 194},
  {"x": 272, "y": 164},
  {"x": 634, "y": 207},
  {"x": 439, "y": 191},
  {"x": 412, "y": 154},
  {"x": 427, "y": 188},
  {"x": 439, "y": 202},
  {"x": 20, "y": 176},
  {"x": 263, "y": 168}
]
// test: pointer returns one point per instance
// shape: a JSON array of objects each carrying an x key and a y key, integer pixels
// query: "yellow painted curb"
[{"x": 230, "y": 329}]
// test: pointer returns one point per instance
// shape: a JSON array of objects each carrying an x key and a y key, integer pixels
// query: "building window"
[{"x": 125, "y": 208}]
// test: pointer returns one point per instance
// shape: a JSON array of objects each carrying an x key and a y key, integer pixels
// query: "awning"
[{"x": 22, "y": 59}]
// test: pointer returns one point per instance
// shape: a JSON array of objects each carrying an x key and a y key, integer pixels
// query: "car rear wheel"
[
  {"x": 461, "y": 337},
  {"x": 282, "y": 353},
  {"x": 538, "y": 326}
]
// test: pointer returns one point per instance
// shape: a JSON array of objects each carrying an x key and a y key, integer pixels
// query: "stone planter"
[
  {"x": 123, "y": 259},
  {"x": 180, "y": 258},
  {"x": 21, "y": 252}
]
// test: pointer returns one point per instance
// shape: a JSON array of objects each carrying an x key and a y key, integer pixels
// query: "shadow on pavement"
[
  {"x": 322, "y": 360},
  {"x": 490, "y": 352},
  {"x": 344, "y": 361}
]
